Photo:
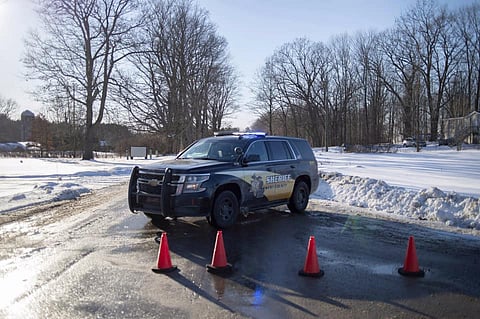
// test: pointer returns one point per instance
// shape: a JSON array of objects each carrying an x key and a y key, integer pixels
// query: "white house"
[{"x": 465, "y": 128}]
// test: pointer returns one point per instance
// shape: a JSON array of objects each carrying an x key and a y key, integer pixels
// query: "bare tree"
[
  {"x": 402, "y": 76},
  {"x": 7, "y": 107},
  {"x": 181, "y": 84},
  {"x": 345, "y": 117},
  {"x": 429, "y": 29},
  {"x": 370, "y": 69},
  {"x": 468, "y": 72},
  {"x": 221, "y": 100},
  {"x": 381, "y": 86},
  {"x": 42, "y": 133},
  {"x": 301, "y": 72},
  {"x": 9, "y": 129},
  {"x": 79, "y": 46},
  {"x": 266, "y": 95}
]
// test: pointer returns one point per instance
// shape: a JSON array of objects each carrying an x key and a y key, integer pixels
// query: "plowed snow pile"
[{"x": 426, "y": 204}]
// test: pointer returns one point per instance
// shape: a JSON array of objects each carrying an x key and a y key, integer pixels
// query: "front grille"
[
  {"x": 148, "y": 189},
  {"x": 153, "y": 189},
  {"x": 150, "y": 182},
  {"x": 150, "y": 186}
]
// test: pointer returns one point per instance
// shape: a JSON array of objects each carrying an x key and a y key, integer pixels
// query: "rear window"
[{"x": 302, "y": 149}]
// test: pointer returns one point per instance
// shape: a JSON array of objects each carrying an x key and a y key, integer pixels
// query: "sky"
[
  {"x": 437, "y": 186},
  {"x": 254, "y": 29}
]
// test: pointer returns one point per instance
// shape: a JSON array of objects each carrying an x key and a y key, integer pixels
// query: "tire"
[
  {"x": 131, "y": 189},
  {"x": 225, "y": 210},
  {"x": 299, "y": 200}
]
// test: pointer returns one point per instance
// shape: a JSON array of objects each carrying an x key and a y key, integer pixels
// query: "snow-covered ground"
[
  {"x": 436, "y": 184},
  {"x": 26, "y": 182}
]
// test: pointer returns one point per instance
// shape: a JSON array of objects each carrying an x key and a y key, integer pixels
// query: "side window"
[
  {"x": 279, "y": 150},
  {"x": 257, "y": 152},
  {"x": 302, "y": 149}
]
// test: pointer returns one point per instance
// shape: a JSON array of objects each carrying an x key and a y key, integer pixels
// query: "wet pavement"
[{"x": 92, "y": 259}]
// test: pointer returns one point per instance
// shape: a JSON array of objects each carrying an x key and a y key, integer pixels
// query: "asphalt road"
[{"x": 92, "y": 258}]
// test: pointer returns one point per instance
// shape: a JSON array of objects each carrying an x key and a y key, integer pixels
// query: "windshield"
[{"x": 214, "y": 149}]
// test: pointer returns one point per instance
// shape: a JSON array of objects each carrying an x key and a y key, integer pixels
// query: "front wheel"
[
  {"x": 299, "y": 200},
  {"x": 225, "y": 210}
]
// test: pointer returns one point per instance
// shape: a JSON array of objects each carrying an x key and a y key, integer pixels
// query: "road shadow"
[{"x": 360, "y": 257}]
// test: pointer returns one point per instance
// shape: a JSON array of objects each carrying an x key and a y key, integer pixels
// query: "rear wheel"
[
  {"x": 225, "y": 210},
  {"x": 299, "y": 200}
]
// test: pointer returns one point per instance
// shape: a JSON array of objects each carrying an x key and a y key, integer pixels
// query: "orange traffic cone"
[
  {"x": 311, "y": 268},
  {"x": 410, "y": 266},
  {"x": 219, "y": 263},
  {"x": 164, "y": 263}
]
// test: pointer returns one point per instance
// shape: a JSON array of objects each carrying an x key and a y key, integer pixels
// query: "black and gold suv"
[{"x": 222, "y": 176}]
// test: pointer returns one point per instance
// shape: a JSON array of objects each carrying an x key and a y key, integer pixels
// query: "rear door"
[{"x": 282, "y": 165}]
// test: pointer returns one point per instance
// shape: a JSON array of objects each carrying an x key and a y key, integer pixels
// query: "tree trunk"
[{"x": 89, "y": 143}]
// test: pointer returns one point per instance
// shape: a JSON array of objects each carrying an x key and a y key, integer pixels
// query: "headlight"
[{"x": 192, "y": 183}]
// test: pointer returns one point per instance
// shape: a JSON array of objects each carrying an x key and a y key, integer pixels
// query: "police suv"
[{"x": 222, "y": 176}]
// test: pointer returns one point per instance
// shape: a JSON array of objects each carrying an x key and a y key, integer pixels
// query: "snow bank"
[
  {"x": 430, "y": 204},
  {"x": 26, "y": 182},
  {"x": 43, "y": 193}
]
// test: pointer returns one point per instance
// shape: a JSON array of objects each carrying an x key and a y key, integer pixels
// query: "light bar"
[{"x": 241, "y": 134}]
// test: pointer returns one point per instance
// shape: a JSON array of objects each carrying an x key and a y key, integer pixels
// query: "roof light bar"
[
  {"x": 241, "y": 134},
  {"x": 259, "y": 134}
]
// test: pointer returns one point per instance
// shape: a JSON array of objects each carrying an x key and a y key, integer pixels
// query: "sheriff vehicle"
[{"x": 225, "y": 175}]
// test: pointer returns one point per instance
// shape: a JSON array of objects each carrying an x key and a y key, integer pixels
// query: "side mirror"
[{"x": 238, "y": 150}]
